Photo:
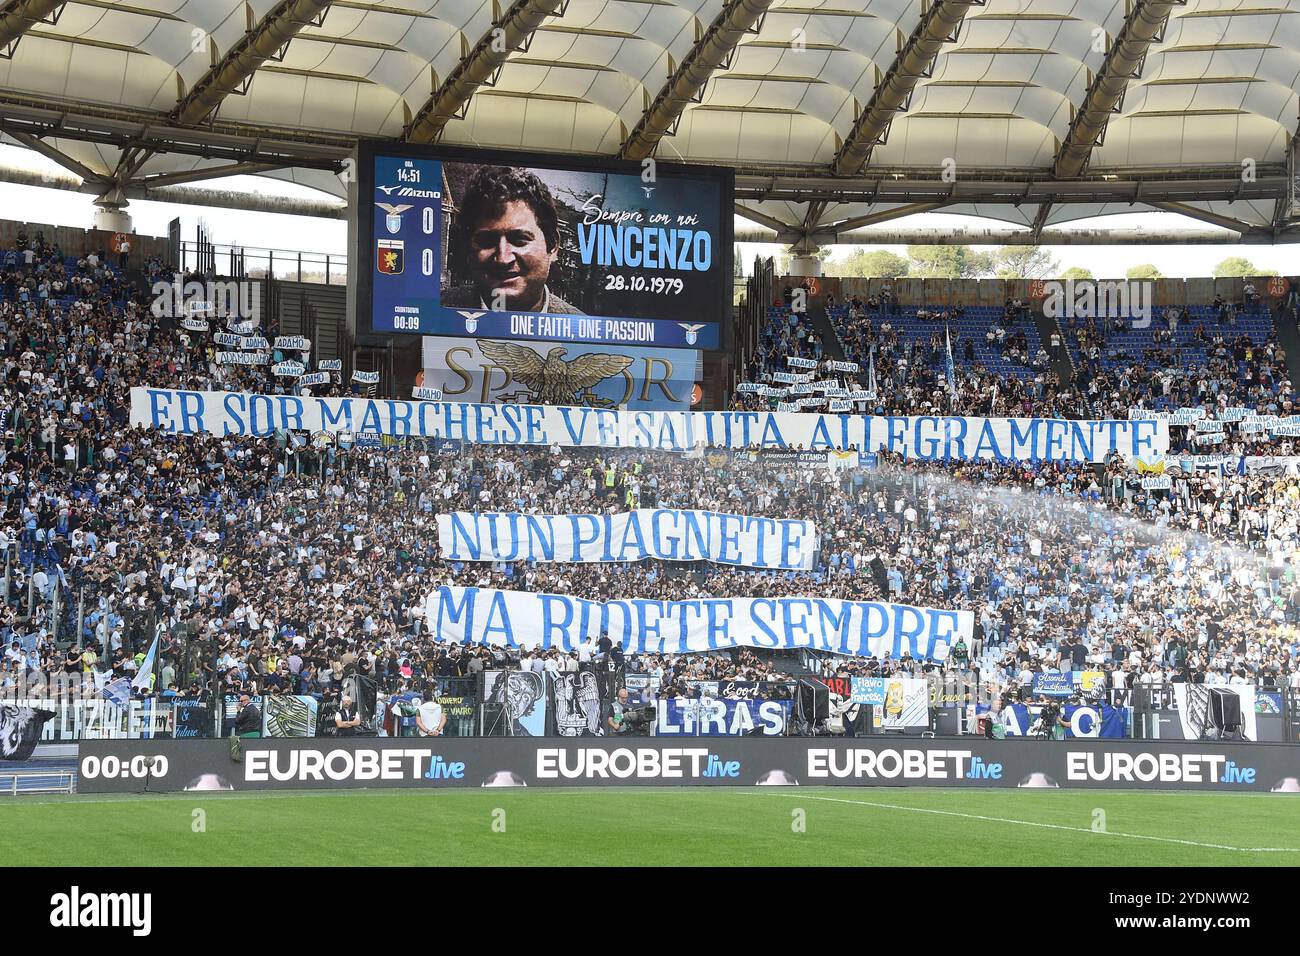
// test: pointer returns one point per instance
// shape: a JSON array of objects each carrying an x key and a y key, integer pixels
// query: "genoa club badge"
[{"x": 388, "y": 256}]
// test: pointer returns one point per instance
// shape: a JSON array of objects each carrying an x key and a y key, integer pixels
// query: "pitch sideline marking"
[{"x": 1055, "y": 826}]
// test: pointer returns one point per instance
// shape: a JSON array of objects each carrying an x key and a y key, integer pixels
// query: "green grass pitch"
[{"x": 678, "y": 826}]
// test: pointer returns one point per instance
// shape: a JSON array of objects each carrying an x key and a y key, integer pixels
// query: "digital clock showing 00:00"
[{"x": 110, "y": 766}]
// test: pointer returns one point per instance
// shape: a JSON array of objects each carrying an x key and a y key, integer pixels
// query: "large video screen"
[{"x": 512, "y": 246}]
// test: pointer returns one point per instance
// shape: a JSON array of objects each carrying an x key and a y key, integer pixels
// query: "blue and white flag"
[
  {"x": 144, "y": 679},
  {"x": 952, "y": 374},
  {"x": 118, "y": 691},
  {"x": 871, "y": 376}
]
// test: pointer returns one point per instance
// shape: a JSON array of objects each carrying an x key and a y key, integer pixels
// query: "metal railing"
[
  {"x": 253, "y": 262},
  {"x": 32, "y": 781}
]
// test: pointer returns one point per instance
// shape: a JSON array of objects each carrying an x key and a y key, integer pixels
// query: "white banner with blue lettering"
[
  {"x": 925, "y": 437},
  {"x": 524, "y": 619},
  {"x": 721, "y": 717},
  {"x": 663, "y": 533}
]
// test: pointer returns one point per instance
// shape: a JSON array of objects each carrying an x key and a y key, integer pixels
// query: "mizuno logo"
[{"x": 411, "y": 192}]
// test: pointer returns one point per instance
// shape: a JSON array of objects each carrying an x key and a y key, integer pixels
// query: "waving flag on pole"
[
  {"x": 871, "y": 375},
  {"x": 952, "y": 374},
  {"x": 144, "y": 678}
]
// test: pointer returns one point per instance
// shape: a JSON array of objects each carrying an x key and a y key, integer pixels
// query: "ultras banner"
[
  {"x": 721, "y": 717},
  {"x": 928, "y": 438},
  {"x": 663, "y": 533},
  {"x": 107, "y": 766},
  {"x": 524, "y": 619}
]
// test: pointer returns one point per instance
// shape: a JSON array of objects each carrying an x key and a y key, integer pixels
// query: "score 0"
[{"x": 427, "y": 223}]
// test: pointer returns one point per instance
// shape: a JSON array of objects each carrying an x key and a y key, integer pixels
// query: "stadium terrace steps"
[
  {"x": 974, "y": 322},
  {"x": 1184, "y": 350},
  {"x": 825, "y": 329},
  {"x": 1288, "y": 336},
  {"x": 330, "y": 303},
  {"x": 1062, "y": 362}
]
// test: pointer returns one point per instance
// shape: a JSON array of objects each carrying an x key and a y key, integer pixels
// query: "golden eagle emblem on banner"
[{"x": 553, "y": 380}]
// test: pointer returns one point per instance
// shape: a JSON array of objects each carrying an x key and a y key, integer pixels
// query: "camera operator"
[
  {"x": 614, "y": 711},
  {"x": 1051, "y": 721}
]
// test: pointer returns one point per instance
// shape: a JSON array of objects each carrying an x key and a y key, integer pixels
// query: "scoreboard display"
[{"x": 505, "y": 246}]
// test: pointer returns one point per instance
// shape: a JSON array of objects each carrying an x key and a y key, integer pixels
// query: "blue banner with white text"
[{"x": 1054, "y": 684}]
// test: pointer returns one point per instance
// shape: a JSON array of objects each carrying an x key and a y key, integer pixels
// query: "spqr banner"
[
  {"x": 663, "y": 533},
  {"x": 925, "y": 437},
  {"x": 525, "y": 619}
]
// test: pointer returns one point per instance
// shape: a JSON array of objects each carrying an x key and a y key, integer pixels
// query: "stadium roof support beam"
[
  {"x": 763, "y": 219},
  {"x": 979, "y": 236},
  {"x": 1010, "y": 191},
  {"x": 479, "y": 67},
  {"x": 129, "y": 163},
  {"x": 1143, "y": 27},
  {"x": 1204, "y": 215},
  {"x": 1040, "y": 220},
  {"x": 712, "y": 51},
  {"x": 872, "y": 219},
  {"x": 49, "y": 152},
  {"x": 233, "y": 72},
  {"x": 122, "y": 129},
  {"x": 200, "y": 175},
  {"x": 223, "y": 199},
  {"x": 17, "y": 17},
  {"x": 938, "y": 25}
]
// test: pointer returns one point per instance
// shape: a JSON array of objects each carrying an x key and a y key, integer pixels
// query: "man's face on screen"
[{"x": 508, "y": 253}]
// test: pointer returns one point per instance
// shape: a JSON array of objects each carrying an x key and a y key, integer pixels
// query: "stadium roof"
[{"x": 837, "y": 114}]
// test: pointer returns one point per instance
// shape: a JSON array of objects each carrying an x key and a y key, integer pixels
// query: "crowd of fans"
[
  {"x": 1226, "y": 370},
  {"x": 277, "y": 567}
]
